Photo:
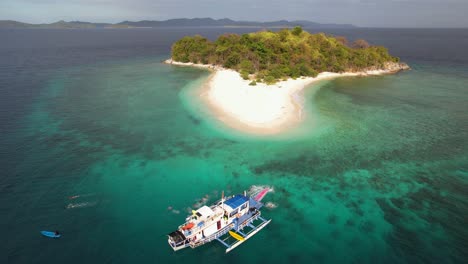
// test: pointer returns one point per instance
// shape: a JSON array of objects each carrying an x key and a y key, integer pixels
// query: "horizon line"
[{"x": 253, "y": 21}]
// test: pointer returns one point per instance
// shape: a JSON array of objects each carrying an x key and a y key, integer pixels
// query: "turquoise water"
[{"x": 377, "y": 172}]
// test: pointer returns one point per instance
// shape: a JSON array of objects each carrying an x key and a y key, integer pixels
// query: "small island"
[{"x": 257, "y": 76}]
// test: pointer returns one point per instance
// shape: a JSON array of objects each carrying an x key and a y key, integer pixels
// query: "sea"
[{"x": 104, "y": 143}]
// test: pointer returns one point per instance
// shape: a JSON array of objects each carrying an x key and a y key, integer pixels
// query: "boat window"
[
  {"x": 243, "y": 206},
  {"x": 233, "y": 213}
]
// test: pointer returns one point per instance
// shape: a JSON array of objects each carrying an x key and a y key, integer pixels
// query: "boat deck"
[
  {"x": 250, "y": 218},
  {"x": 246, "y": 220},
  {"x": 240, "y": 236}
]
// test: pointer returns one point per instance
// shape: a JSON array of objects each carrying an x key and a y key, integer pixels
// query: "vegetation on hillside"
[{"x": 270, "y": 56}]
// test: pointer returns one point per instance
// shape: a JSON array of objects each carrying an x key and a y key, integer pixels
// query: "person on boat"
[{"x": 56, "y": 233}]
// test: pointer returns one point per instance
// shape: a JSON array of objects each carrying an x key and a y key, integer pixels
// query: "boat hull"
[{"x": 178, "y": 247}]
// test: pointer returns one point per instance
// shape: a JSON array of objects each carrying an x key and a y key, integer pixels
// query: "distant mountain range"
[{"x": 181, "y": 22}]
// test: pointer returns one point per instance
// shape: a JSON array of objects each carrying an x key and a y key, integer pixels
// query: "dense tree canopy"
[{"x": 271, "y": 56}]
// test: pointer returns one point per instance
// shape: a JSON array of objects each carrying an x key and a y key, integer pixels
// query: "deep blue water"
[{"x": 94, "y": 113}]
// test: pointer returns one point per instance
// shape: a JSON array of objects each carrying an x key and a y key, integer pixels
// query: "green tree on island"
[{"x": 270, "y": 56}]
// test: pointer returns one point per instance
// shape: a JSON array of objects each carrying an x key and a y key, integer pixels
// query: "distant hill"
[
  {"x": 58, "y": 24},
  {"x": 180, "y": 22},
  {"x": 14, "y": 24},
  {"x": 209, "y": 22}
]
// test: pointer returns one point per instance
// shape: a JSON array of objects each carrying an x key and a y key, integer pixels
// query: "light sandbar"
[{"x": 261, "y": 109}]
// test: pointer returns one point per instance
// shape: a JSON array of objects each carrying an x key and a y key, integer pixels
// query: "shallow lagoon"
[{"x": 376, "y": 173}]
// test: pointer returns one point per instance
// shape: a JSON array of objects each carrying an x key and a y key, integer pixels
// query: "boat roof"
[
  {"x": 205, "y": 211},
  {"x": 236, "y": 201}
]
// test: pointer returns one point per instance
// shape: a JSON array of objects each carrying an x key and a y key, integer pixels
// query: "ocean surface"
[{"x": 104, "y": 143}]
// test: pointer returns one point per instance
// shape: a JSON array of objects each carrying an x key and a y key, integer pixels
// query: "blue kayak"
[{"x": 50, "y": 234}]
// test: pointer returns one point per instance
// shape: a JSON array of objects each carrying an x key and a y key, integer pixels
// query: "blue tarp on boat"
[{"x": 236, "y": 201}]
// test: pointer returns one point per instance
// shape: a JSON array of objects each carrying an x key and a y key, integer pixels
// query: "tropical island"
[{"x": 257, "y": 76}]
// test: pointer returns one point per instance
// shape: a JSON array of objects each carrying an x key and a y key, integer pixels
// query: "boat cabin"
[{"x": 236, "y": 206}]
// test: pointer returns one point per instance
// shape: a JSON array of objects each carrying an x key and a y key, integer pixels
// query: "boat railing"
[
  {"x": 249, "y": 219},
  {"x": 226, "y": 229},
  {"x": 212, "y": 237}
]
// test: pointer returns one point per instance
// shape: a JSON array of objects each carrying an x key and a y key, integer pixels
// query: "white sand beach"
[{"x": 259, "y": 109}]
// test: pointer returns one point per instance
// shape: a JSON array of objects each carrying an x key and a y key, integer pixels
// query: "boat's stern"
[{"x": 177, "y": 240}]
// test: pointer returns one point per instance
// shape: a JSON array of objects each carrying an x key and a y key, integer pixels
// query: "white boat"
[{"x": 226, "y": 218}]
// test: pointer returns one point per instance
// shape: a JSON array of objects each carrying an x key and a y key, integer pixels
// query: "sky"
[{"x": 365, "y": 13}]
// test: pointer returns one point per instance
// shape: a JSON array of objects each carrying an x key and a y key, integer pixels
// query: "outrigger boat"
[{"x": 226, "y": 218}]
